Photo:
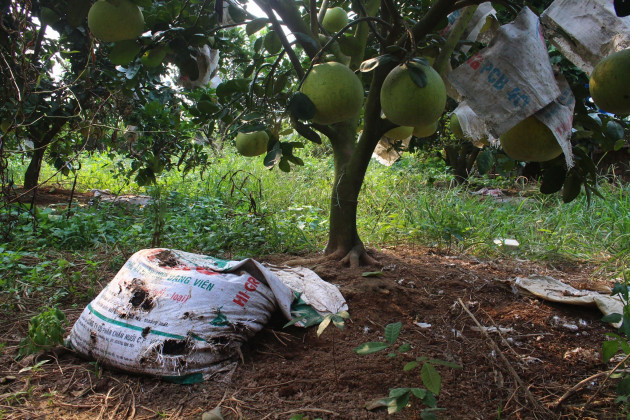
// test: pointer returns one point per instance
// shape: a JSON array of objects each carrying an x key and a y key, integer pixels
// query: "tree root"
[{"x": 357, "y": 256}]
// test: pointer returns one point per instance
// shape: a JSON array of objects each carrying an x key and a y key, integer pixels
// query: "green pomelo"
[
  {"x": 115, "y": 20},
  {"x": 399, "y": 133},
  {"x": 335, "y": 19},
  {"x": 272, "y": 42},
  {"x": 123, "y": 52},
  {"x": 252, "y": 144},
  {"x": 610, "y": 83},
  {"x": 530, "y": 141},
  {"x": 336, "y": 92},
  {"x": 154, "y": 57},
  {"x": 405, "y": 103},
  {"x": 425, "y": 130}
]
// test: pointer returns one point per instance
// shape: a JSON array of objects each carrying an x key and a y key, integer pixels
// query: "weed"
[
  {"x": 399, "y": 398},
  {"x": 45, "y": 331}
]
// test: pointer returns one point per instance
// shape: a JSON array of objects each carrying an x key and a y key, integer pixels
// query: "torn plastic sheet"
[
  {"x": 504, "y": 86},
  {"x": 554, "y": 290},
  {"x": 586, "y": 31},
  {"x": 184, "y": 316},
  {"x": 389, "y": 150}
]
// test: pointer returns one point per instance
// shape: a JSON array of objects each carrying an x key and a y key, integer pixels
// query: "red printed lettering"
[
  {"x": 475, "y": 61},
  {"x": 241, "y": 299},
  {"x": 251, "y": 284}
]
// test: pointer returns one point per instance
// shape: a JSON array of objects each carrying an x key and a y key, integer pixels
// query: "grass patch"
[{"x": 235, "y": 208}]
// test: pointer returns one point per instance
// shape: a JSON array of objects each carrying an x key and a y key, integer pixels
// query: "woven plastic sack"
[{"x": 183, "y": 316}]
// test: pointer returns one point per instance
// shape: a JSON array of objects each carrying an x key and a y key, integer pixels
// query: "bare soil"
[{"x": 549, "y": 349}]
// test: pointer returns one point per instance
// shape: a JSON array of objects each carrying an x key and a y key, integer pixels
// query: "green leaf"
[
  {"x": 344, "y": 314},
  {"x": 372, "y": 274},
  {"x": 552, "y": 179},
  {"x": 372, "y": 63},
  {"x": 422, "y": 61},
  {"x": 428, "y": 415},
  {"x": 417, "y": 76},
  {"x": 370, "y": 347},
  {"x": 485, "y": 161},
  {"x": 230, "y": 87},
  {"x": 419, "y": 392},
  {"x": 307, "y": 133},
  {"x": 392, "y": 331},
  {"x": 619, "y": 144},
  {"x": 572, "y": 187},
  {"x": 323, "y": 324},
  {"x": 273, "y": 156},
  {"x": 256, "y": 25},
  {"x": 338, "y": 322},
  {"x": 398, "y": 392},
  {"x": 623, "y": 387},
  {"x": 609, "y": 349},
  {"x": 301, "y": 107},
  {"x": 614, "y": 130},
  {"x": 399, "y": 403},
  {"x": 284, "y": 165},
  {"x": 410, "y": 366},
  {"x": 404, "y": 347},
  {"x": 431, "y": 378},
  {"x": 612, "y": 318}
]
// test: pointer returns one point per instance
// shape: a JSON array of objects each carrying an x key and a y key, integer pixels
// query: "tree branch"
[
  {"x": 290, "y": 15},
  {"x": 280, "y": 32},
  {"x": 441, "y": 62},
  {"x": 437, "y": 12},
  {"x": 313, "y": 16}
]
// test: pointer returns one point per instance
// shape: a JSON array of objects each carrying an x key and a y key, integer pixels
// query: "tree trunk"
[
  {"x": 351, "y": 162},
  {"x": 31, "y": 176}
]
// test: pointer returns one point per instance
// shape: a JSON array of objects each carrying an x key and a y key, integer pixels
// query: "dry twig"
[{"x": 506, "y": 362}]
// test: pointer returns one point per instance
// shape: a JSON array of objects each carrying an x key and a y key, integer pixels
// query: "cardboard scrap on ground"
[{"x": 554, "y": 290}]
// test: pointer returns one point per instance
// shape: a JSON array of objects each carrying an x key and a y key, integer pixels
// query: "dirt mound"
[{"x": 549, "y": 347}]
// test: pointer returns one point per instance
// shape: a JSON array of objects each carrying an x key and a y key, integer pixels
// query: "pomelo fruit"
[
  {"x": 115, "y": 20},
  {"x": 405, "y": 103},
  {"x": 531, "y": 141},
  {"x": 425, "y": 130},
  {"x": 335, "y": 19},
  {"x": 610, "y": 83},
  {"x": 336, "y": 92},
  {"x": 123, "y": 52},
  {"x": 252, "y": 144},
  {"x": 399, "y": 133}
]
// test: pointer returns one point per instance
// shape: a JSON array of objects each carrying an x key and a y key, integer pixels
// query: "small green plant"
[
  {"x": 619, "y": 342},
  {"x": 399, "y": 397},
  {"x": 45, "y": 331}
]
